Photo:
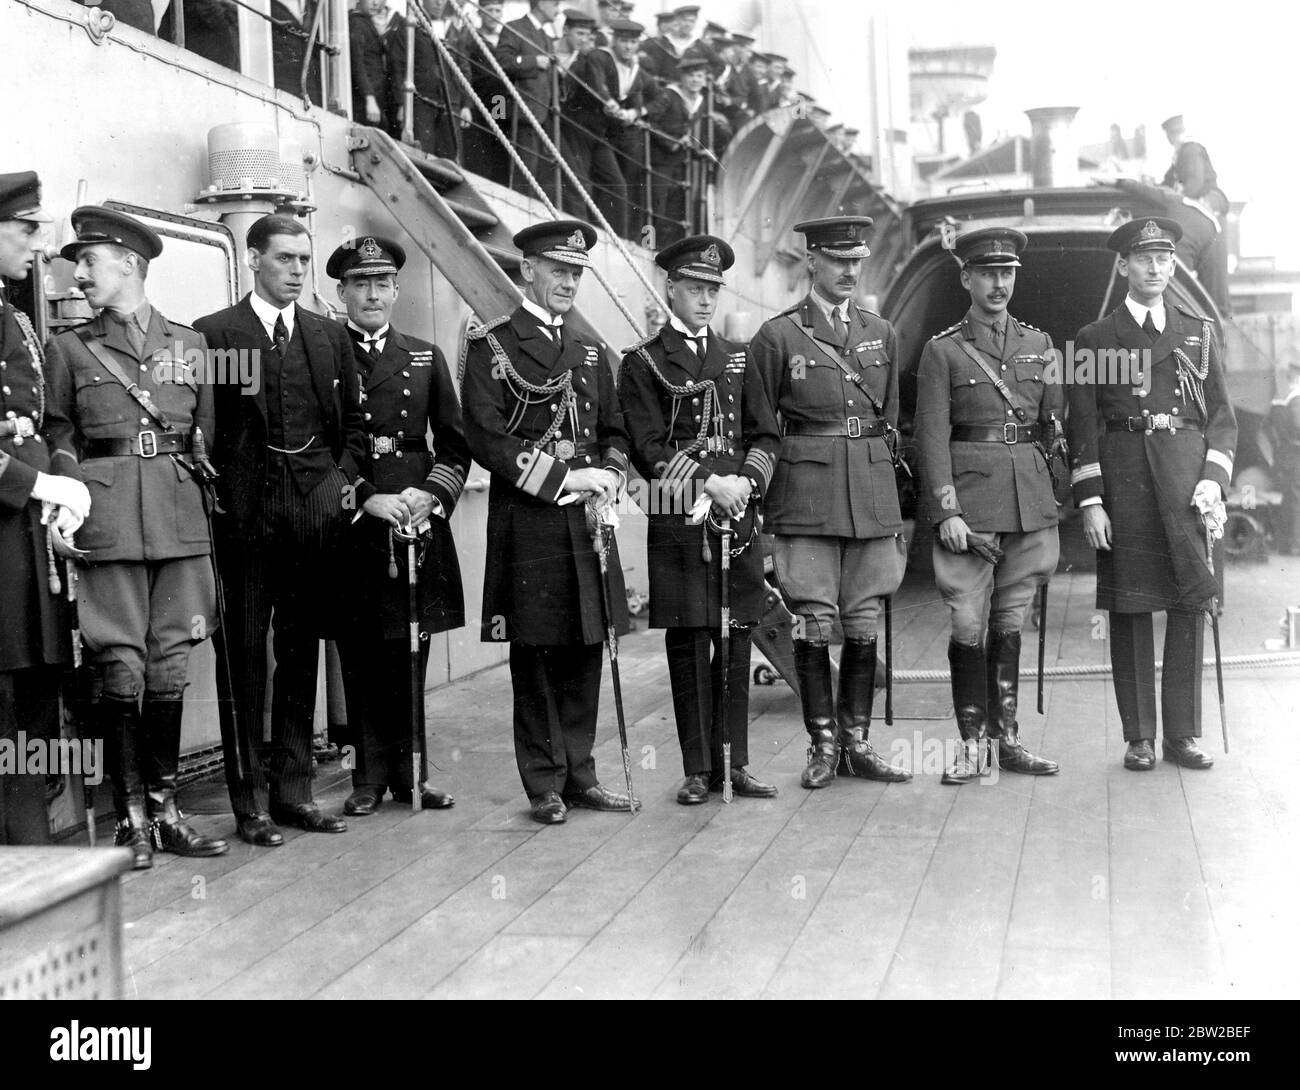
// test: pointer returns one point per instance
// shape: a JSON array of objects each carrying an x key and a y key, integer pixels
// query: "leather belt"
[
  {"x": 145, "y": 444},
  {"x": 854, "y": 427},
  {"x": 391, "y": 444},
  {"x": 21, "y": 427},
  {"x": 1151, "y": 422},
  {"x": 566, "y": 449},
  {"x": 1011, "y": 434}
]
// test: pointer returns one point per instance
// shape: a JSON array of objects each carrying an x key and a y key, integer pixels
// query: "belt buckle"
[
  {"x": 1162, "y": 422},
  {"x": 1010, "y": 434},
  {"x": 24, "y": 427},
  {"x": 855, "y": 427},
  {"x": 383, "y": 444},
  {"x": 565, "y": 449},
  {"x": 152, "y": 445}
]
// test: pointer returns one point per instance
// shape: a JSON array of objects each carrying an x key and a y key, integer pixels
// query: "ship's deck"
[{"x": 1096, "y": 883}]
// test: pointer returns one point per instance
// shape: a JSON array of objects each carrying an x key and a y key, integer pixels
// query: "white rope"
[
  {"x": 523, "y": 111},
  {"x": 1101, "y": 670}
]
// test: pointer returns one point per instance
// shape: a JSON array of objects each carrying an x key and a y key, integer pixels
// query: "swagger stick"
[
  {"x": 1042, "y": 641},
  {"x": 889, "y": 660},
  {"x": 1214, "y": 629},
  {"x": 601, "y": 536},
  {"x": 724, "y": 650}
]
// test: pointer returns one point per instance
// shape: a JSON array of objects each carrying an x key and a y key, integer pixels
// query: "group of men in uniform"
[{"x": 253, "y": 497}]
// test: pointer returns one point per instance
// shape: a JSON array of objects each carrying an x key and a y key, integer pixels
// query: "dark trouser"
[
  {"x": 596, "y": 167},
  {"x": 557, "y": 696},
  {"x": 1132, "y": 658},
  {"x": 697, "y": 696},
  {"x": 669, "y": 187},
  {"x": 629, "y": 147},
  {"x": 278, "y": 570},
  {"x": 29, "y": 701},
  {"x": 377, "y": 686}
]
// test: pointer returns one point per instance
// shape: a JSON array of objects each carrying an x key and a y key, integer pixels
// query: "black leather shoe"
[
  {"x": 1141, "y": 757},
  {"x": 430, "y": 799},
  {"x": 363, "y": 801},
  {"x": 172, "y": 833},
  {"x": 694, "y": 790},
  {"x": 742, "y": 783},
  {"x": 548, "y": 809},
  {"x": 307, "y": 815},
  {"x": 259, "y": 830},
  {"x": 600, "y": 798},
  {"x": 1186, "y": 752},
  {"x": 1013, "y": 757},
  {"x": 133, "y": 832}
]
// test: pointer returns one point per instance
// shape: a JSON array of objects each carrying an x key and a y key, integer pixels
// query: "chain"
[
  {"x": 689, "y": 389},
  {"x": 562, "y": 386}
]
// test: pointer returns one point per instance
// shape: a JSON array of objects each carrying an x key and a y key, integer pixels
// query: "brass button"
[
  {"x": 144, "y": 420},
  {"x": 406, "y": 374},
  {"x": 972, "y": 382},
  {"x": 1143, "y": 393},
  {"x": 588, "y": 459},
  {"x": 850, "y": 401},
  {"x": 586, "y": 405},
  {"x": 731, "y": 397},
  {"x": 369, "y": 416},
  {"x": 406, "y": 393},
  {"x": 731, "y": 416},
  {"x": 403, "y": 414},
  {"x": 401, "y": 435},
  {"x": 397, "y": 453},
  {"x": 1174, "y": 410},
  {"x": 586, "y": 431},
  {"x": 5, "y": 390},
  {"x": 731, "y": 435},
  {"x": 144, "y": 367}
]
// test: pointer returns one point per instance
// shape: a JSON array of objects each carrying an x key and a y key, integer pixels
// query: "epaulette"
[
  {"x": 866, "y": 310},
  {"x": 1035, "y": 328},
  {"x": 945, "y": 332},
  {"x": 1191, "y": 313},
  {"x": 792, "y": 310},
  {"x": 181, "y": 325},
  {"x": 477, "y": 332},
  {"x": 641, "y": 343}
]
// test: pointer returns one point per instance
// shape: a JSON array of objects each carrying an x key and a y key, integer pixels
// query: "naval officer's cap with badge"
[
  {"x": 95, "y": 225},
  {"x": 566, "y": 241},
  {"x": 842, "y": 237},
  {"x": 699, "y": 257},
  {"x": 1148, "y": 233},
  {"x": 20, "y": 197},
  {"x": 373, "y": 255},
  {"x": 991, "y": 247}
]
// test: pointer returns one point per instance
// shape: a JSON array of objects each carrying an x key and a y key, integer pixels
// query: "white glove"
[
  {"x": 62, "y": 492},
  {"x": 701, "y": 509},
  {"x": 68, "y": 522},
  {"x": 1208, "y": 500}
]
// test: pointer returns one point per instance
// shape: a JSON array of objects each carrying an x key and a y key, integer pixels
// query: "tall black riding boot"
[
  {"x": 812, "y": 663},
  {"x": 1003, "y": 695},
  {"x": 162, "y": 744},
  {"x": 857, "y": 689},
  {"x": 124, "y": 739},
  {"x": 968, "y": 700}
]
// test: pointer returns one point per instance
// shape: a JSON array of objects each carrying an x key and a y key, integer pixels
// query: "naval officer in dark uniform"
[
  {"x": 701, "y": 427},
  {"x": 828, "y": 366},
  {"x": 289, "y": 447},
  {"x": 406, "y": 392},
  {"x": 1152, "y": 445},
  {"x": 987, "y": 407},
  {"x": 140, "y": 402},
  {"x": 38, "y": 474},
  {"x": 541, "y": 414}
]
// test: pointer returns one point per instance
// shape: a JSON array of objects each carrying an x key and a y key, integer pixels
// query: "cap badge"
[
  {"x": 576, "y": 241},
  {"x": 996, "y": 246},
  {"x": 853, "y": 232},
  {"x": 370, "y": 249},
  {"x": 711, "y": 256},
  {"x": 1150, "y": 229}
]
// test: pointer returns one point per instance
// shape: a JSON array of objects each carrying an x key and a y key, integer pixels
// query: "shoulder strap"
[
  {"x": 1001, "y": 386},
  {"x": 114, "y": 368}
]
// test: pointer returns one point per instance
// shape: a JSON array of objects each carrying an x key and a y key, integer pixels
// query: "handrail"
[{"x": 550, "y": 147}]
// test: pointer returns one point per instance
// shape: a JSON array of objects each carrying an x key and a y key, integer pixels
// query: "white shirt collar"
[
  {"x": 1139, "y": 312},
  {"x": 828, "y": 308},
  {"x": 549, "y": 320},
  {"x": 546, "y": 28},
  {"x": 682, "y": 328},
  {"x": 268, "y": 313},
  {"x": 379, "y": 337}
]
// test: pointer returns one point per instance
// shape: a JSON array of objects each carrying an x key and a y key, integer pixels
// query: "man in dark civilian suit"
[
  {"x": 590, "y": 101},
  {"x": 289, "y": 447}
]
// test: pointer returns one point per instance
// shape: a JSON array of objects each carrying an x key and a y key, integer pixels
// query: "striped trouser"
[{"x": 278, "y": 569}]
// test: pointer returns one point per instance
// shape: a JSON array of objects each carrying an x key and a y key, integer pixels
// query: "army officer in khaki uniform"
[
  {"x": 829, "y": 369},
  {"x": 986, "y": 413},
  {"x": 139, "y": 402}
]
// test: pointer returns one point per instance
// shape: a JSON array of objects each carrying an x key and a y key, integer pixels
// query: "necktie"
[
  {"x": 135, "y": 336},
  {"x": 841, "y": 329},
  {"x": 999, "y": 334},
  {"x": 1149, "y": 327},
  {"x": 372, "y": 347},
  {"x": 698, "y": 344},
  {"x": 280, "y": 334}
]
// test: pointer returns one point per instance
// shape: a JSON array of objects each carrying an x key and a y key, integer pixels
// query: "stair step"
[
  {"x": 473, "y": 218},
  {"x": 507, "y": 259},
  {"x": 443, "y": 174}
]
